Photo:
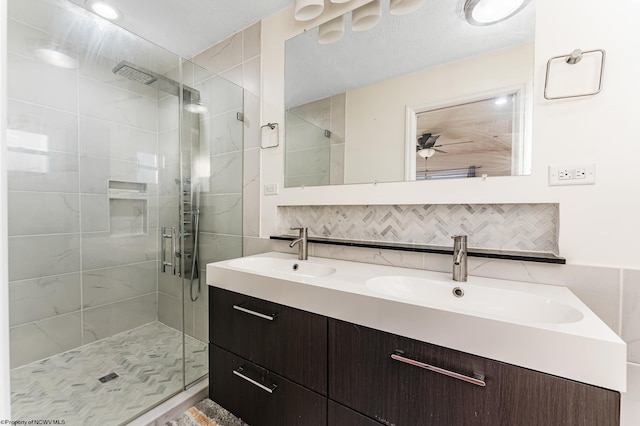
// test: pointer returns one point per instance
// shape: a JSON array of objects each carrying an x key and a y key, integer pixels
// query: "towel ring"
[{"x": 571, "y": 59}]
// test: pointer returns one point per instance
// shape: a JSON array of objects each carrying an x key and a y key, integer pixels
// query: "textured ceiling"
[
  {"x": 187, "y": 27},
  {"x": 435, "y": 34}
]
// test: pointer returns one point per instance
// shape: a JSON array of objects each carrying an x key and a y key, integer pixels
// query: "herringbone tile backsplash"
[{"x": 521, "y": 227}]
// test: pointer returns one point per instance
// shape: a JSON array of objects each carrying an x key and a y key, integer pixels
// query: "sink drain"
[
  {"x": 295, "y": 266},
  {"x": 458, "y": 292}
]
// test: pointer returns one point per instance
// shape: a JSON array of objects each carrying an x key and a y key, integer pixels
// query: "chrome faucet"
[
  {"x": 303, "y": 243},
  {"x": 460, "y": 258}
]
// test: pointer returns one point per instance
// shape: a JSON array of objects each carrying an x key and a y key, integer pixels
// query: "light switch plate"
[{"x": 270, "y": 189}]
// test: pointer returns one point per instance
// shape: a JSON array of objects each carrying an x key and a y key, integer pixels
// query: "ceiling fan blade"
[
  {"x": 431, "y": 141},
  {"x": 454, "y": 143},
  {"x": 439, "y": 150}
]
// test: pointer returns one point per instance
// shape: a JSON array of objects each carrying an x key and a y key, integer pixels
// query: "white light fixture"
[
  {"x": 404, "y": 7},
  {"x": 426, "y": 152},
  {"x": 501, "y": 100},
  {"x": 196, "y": 107},
  {"x": 331, "y": 31},
  {"x": 104, "y": 9},
  {"x": 54, "y": 56},
  {"x": 488, "y": 12},
  {"x": 340, "y": 1},
  {"x": 367, "y": 16},
  {"x": 306, "y": 10}
]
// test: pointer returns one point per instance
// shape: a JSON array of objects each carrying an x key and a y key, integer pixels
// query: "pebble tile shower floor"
[{"x": 147, "y": 360}]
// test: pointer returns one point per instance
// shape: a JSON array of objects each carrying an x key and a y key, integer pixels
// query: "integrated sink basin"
[
  {"x": 541, "y": 327},
  {"x": 480, "y": 300},
  {"x": 274, "y": 265}
]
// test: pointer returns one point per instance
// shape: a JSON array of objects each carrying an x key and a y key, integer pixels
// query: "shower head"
[
  {"x": 141, "y": 75},
  {"x": 130, "y": 71}
]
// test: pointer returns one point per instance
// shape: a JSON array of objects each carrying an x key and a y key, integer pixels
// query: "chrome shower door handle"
[
  {"x": 163, "y": 249},
  {"x": 174, "y": 253}
]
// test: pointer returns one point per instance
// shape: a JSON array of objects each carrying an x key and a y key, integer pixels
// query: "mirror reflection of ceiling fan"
[{"x": 426, "y": 145}]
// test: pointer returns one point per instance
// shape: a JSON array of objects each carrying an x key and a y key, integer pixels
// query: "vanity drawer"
[
  {"x": 364, "y": 376},
  {"x": 259, "y": 397},
  {"x": 287, "y": 341}
]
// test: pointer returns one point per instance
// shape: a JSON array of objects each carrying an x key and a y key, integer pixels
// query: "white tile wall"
[{"x": 71, "y": 131}]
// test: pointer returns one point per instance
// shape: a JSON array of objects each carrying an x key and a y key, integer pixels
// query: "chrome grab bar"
[
  {"x": 270, "y": 317},
  {"x": 174, "y": 253},
  {"x": 238, "y": 373},
  {"x": 439, "y": 370}
]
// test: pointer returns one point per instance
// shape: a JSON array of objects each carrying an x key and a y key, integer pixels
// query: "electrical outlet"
[
  {"x": 270, "y": 189},
  {"x": 565, "y": 174},
  {"x": 572, "y": 175}
]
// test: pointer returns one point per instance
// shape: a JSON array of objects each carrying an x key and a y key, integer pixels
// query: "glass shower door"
[{"x": 212, "y": 158}]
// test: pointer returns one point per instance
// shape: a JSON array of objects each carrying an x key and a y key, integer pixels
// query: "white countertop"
[{"x": 585, "y": 350}]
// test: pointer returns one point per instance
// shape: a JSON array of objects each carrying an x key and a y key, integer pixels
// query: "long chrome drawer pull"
[
  {"x": 258, "y": 314},
  {"x": 455, "y": 375},
  {"x": 238, "y": 373}
]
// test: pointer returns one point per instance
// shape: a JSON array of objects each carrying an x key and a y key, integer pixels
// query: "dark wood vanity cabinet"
[
  {"x": 275, "y": 365},
  {"x": 267, "y": 362},
  {"x": 287, "y": 341},
  {"x": 364, "y": 376}
]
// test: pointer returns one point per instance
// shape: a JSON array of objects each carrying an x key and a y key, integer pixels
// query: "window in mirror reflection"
[{"x": 481, "y": 137}]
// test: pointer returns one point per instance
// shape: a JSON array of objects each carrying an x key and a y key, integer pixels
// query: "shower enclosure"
[{"x": 125, "y": 180}]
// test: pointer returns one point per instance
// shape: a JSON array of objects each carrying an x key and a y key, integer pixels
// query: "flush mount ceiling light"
[
  {"x": 426, "y": 152},
  {"x": 404, "y": 7},
  {"x": 488, "y": 12},
  {"x": 340, "y": 1},
  {"x": 306, "y": 10},
  {"x": 366, "y": 16},
  {"x": 331, "y": 31},
  {"x": 56, "y": 57},
  {"x": 104, "y": 9}
]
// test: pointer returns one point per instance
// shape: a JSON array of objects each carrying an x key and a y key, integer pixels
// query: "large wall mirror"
[{"x": 424, "y": 95}]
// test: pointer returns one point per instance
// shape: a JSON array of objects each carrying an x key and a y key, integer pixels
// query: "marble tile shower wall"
[
  {"x": 312, "y": 158},
  {"x": 230, "y": 208},
  {"x": 70, "y": 132}
]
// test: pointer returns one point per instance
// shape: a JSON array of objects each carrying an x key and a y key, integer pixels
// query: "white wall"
[
  {"x": 376, "y": 113},
  {"x": 599, "y": 224}
]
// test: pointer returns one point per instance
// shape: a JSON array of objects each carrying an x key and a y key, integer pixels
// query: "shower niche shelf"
[{"x": 128, "y": 208}]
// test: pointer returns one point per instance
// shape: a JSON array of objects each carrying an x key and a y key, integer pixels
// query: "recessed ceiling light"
[
  {"x": 55, "y": 57},
  {"x": 104, "y": 9},
  {"x": 488, "y": 12}
]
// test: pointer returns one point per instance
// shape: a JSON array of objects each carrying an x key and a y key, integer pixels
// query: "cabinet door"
[
  {"x": 530, "y": 398},
  {"x": 287, "y": 341},
  {"x": 362, "y": 375},
  {"x": 260, "y": 397},
  {"x": 340, "y": 415}
]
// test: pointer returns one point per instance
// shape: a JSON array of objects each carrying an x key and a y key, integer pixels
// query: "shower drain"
[{"x": 108, "y": 377}]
